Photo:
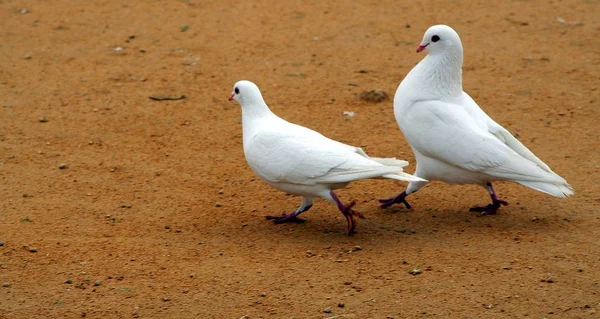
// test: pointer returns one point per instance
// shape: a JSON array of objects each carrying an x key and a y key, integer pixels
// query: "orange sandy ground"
[{"x": 158, "y": 215}]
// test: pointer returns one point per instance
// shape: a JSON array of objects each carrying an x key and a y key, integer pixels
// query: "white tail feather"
[
  {"x": 390, "y": 161},
  {"x": 558, "y": 190},
  {"x": 401, "y": 176}
]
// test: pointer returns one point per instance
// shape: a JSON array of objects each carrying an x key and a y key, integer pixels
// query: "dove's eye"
[
  {"x": 435, "y": 38},
  {"x": 237, "y": 91}
]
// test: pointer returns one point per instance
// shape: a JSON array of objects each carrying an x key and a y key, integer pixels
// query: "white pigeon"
[
  {"x": 300, "y": 161},
  {"x": 453, "y": 140}
]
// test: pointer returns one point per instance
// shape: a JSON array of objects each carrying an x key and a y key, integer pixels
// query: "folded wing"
[{"x": 301, "y": 156}]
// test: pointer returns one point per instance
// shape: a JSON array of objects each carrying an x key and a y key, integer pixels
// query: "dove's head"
[
  {"x": 440, "y": 38},
  {"x": 246, "y": 92}
]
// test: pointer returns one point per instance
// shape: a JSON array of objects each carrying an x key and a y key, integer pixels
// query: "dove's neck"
[
  {"x": 439, "y": 75},
  {"x": 254, "y": 115},
  {"x": 256, "y": 110}
]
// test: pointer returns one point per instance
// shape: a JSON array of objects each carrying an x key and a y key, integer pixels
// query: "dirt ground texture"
[{"x": 156, "y": 214}]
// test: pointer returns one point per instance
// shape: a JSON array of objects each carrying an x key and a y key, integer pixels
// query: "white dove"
[
  {"x": 453, "y": 140},
  {"x": 300, "y": 161}
]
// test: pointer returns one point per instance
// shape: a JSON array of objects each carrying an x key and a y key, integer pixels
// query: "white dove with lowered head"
[
  {"x": 300, "y": 161},
  {"x": 453, "y": 140}
]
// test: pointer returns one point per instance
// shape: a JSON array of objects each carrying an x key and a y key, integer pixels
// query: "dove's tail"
[
  {"x": 401, "y": 176},
  {"x": 555, "y": 189},
  {"x": 397, "y": 174},
  {"x": 390, "y": 161}
]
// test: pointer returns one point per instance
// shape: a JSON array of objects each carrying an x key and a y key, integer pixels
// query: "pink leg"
[
  {"x": 493, "y": 207},
  {"x": 348, "y": 213},
  {"x": 400, "y": 198}
]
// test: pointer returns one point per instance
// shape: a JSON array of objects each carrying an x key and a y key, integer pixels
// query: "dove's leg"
[
  {"x": 347, "y": 211},
  {"x": 292, "y": 217},
  {"x": 494, "y": 206},
  {"x": 401, "y": 198}
]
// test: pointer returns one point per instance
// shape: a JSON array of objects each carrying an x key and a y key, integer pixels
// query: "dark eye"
[
  {"x": 435, "y": 38},
  {"x": 237, "y": 91}
]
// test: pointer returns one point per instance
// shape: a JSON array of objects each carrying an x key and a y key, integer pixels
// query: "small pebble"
[
  {"x": 68, "y": 281},
  {"x": 166, "y": 299},
  {"x": 5, "y": 284},
  {"x": 1, "y": 243},
  {"x": 42, "y": 119},
  {"x": 98, "y": 283},
  {"x": 327, "y": 310},
  {"x": 507, "y": 267},
  {"x": 356, "y": 248},
  {"x": 415, "y": 272},
  {"x": 341, "y": 305},
  {"x": 63, "y": 166},
  {"x": 549, "y": 280}
]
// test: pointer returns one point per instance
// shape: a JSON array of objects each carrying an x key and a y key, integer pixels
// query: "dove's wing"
[
  {"x": 499, "y": 132},
  {"x": 297, "y": 155},
  {"x": 446, "y": 132}
]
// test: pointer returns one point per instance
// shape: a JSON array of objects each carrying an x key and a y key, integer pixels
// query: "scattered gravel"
[{"x": 375, "y": 96}]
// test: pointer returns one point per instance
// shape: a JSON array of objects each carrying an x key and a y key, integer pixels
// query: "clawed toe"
[
  {"x": 386, "y": 202},
  {"x": 490, "y": 209},
  {"x": 349, "y": 213},
  {"x": 390, "y": 203},
  {"x": 401, "y": 198},
  {"x": 285, "y": 218}
]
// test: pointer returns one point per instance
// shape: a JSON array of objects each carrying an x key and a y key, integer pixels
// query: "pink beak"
[
  {"x": 421, "y": 47},
  {"x": 231, "y": 96}
]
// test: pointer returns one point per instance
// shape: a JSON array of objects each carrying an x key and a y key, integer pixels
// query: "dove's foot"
[
  {"x": 400, "y": 198},
  {"x": 291, "y": 217},
  {"x": 348, "y": 212},
  {"x": 490, "y": 209},
  {"x": 285, "y": 218}
]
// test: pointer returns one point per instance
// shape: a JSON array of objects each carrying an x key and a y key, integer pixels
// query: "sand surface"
[{"x": 157, "y": 215}]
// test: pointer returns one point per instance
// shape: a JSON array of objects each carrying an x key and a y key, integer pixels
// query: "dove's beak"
[
  {"x": 422, "y": 47},
  {"x": 231, "y": 96}
]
